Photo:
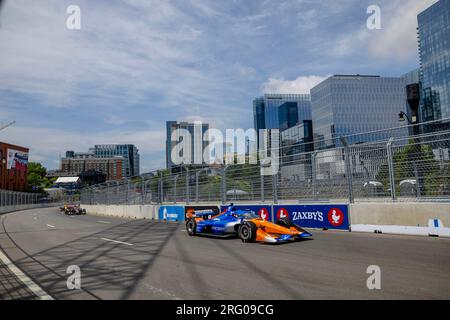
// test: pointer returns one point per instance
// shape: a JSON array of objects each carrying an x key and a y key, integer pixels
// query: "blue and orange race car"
[{"x": 246, "y": 224}]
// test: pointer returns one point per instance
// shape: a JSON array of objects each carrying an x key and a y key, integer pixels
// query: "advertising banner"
[
  {"x": 171, "y": 213},
  {"x": 17, "y": 160},
  {"x": 315, "y": 216},
  {"x": 265, "y": 212},
  {"x": 189, "y": 210}
]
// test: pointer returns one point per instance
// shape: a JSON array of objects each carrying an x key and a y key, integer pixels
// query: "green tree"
[{"x": 36, "y": 177}]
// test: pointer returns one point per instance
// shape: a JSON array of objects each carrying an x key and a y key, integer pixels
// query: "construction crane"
[{"x": 6, "y": 125}]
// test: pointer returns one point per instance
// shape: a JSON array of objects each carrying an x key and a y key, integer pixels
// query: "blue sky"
[{"x": 137, "y": 63}]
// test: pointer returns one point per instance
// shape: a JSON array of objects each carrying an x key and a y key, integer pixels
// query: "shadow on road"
[{"x": 109, "y": 270}]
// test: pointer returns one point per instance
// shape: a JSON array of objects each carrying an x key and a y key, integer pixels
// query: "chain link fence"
[
  {"x": 394, "y": 167},
  {"x": 13, "y": 201},
  {"x": 13, "y": 198}
]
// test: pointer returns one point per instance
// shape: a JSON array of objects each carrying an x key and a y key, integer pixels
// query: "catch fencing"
[{"x": 391, "y": 165}]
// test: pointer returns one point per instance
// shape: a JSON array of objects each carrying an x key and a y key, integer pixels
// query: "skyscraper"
[
  {"x": 434, "y": 52},
  {"x": 345, "y": 105},
  {"x": 281, "y": 111},
  {"x": 197, "y": 139}
]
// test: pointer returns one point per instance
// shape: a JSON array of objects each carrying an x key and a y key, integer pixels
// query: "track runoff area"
[{"x": 71, "y": 257}]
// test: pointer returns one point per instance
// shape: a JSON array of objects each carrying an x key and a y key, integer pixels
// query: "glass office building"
[
  {"x": 281, "y": 111},
  {"x": 129, "y": 153},
  {"x": 348, "y": 105},
  {"x": 172, "y": 126},
  {"x": 296, "y": 141},
  {"x": 434, "y": 52}
]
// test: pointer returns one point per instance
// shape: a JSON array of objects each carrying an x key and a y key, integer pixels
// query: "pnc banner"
[
  {"x": 264, "y": 212},
  {"x": 315, "y": 216},
  {"x": 190, "y": 210},
  {"x": 171, "y": 213}
]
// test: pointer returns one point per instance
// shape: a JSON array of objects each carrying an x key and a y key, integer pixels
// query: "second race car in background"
[
  {"x": 72, "y": 209},
  {"x": 245, "y": 224}
]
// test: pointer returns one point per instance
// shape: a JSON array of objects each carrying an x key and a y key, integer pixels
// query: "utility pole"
[{"x": 7, "y": 125}]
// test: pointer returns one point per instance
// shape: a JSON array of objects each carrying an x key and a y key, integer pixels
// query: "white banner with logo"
[{"x": 17, "y": 159}]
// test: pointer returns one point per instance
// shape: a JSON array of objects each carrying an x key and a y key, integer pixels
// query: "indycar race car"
[
  {"x": 71, "y": 209},
  {"x": 246, "y": 224}
]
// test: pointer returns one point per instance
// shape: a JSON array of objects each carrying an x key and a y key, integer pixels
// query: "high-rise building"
[
  {"x": 344, "y": 105},
  {"x": 129, "y": 153},
  {"x": 76, "y": 166},
  {"x": 434, "y": 52},
  {"x": 281, "y": 111},
  {"x": 196, "y": 130}
]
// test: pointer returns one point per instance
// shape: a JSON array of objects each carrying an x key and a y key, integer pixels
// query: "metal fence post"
[
  {"x": 224, "y": 186},
  {"x": 175, "y": 180},
  {"x": 390, "y": 160},
  {"x": 161, "y": 188},
  {"x": 313, "y": 175},
  {"x": 416, "y": 175},
  {"x": 262, "y": 186},
  {"x": 197, "y": 174},
  {"x": 348, "y": 170},
  {"x": 275, "y": 188},
  {"x": 143, "y": 189},
  {"x": 187, "y": 186}
]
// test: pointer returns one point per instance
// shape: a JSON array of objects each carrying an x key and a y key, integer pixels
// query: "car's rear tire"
[
  {"x": 247, "y": 231},
  {"x": 191, "y": 227}
]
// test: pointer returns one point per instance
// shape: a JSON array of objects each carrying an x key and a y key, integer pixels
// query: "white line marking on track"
[
  {"x": 25, "y": 280},
  {"x": 50, "y": 226},
  {"x": 121, "y": 242},
  {"x": 103, "y": 221}
]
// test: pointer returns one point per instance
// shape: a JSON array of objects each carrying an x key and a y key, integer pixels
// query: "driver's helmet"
[{"x": 231, "y": 208}]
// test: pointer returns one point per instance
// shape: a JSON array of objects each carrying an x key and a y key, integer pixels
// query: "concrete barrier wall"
[
  {"x": 397, "y": 218},
  {"x": 124, "y": 211},
  {"x": 399, "y": 214}
]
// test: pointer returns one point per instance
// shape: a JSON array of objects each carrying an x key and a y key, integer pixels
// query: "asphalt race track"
[{"x": 138, "y": 259}]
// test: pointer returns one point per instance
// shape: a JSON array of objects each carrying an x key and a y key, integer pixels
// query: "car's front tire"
[
  {"x": 191, "y": 227},
  {"x": 247, "y": 232}
]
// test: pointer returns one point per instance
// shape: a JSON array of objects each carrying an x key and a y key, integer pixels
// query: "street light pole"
[{"x": 197, "y": 174}]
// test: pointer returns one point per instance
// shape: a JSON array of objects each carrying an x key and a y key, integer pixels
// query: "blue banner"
[
  {"x": 171, "y": 213},
  {"x": 265, "y": 212},
  {"x": 315, "y": 216}
]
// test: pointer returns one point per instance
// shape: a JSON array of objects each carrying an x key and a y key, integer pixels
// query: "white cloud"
[
  {"x": 301, "y": 85},
  {"x": 397, "y": 40}
]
